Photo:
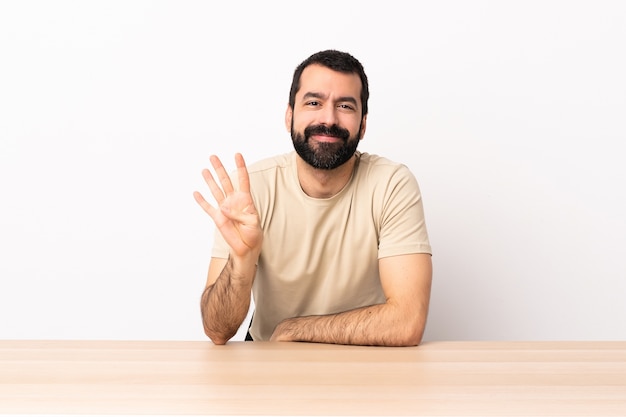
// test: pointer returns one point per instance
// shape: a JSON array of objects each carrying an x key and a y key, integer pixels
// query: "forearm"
[
  {"x": 225, "y": 303},
  {"x": 376, "y": 325}
]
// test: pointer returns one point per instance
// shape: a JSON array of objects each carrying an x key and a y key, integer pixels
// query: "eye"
[
  {"x": 312, "y": 103},
  {"x": 346, "y": 106}
]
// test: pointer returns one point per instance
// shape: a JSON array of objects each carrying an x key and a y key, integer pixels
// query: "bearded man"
[{"x": 330, "y": 242}]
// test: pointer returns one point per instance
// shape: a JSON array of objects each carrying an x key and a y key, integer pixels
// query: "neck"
[{"x": 323, "y": 183}]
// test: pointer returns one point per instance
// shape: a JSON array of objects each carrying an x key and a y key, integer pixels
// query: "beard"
[{"x": 324, "y": 155}]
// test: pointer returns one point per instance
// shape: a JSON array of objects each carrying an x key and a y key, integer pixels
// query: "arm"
[
  {"x": 400, "y": 321},
  {"x": 226, "y": 298}
]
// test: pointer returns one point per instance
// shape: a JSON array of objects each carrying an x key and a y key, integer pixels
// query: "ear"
[
  {"x": 363, "y": 126},
  {"x": 288, "y": 118}
]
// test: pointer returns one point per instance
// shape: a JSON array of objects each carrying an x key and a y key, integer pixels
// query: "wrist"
[
  {"x": 243, "y": 267},
  {"x": 284, "y": 331}
]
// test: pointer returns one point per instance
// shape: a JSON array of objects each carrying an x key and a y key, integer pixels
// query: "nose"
[{"x": 328, "y": 115}]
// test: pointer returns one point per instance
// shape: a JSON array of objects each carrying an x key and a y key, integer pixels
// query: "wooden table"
[{"x": 263, "y": 378}]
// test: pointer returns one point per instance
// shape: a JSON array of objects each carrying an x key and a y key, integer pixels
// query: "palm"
[
  {"x": 238, "y": 222},
  {"x": 235, "y": 217}
]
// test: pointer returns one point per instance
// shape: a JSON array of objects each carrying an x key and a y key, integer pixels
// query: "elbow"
[
  {"x": 217, "y": 338},
  {"x": 219, "y": 342},
  {"x": 414, "y": 339},
  {"x": 404, "y": 336},
  {"x": 412, "y": 333},
  {"x": 415, "y": 326},
  {"x": 410, "y": 339}
]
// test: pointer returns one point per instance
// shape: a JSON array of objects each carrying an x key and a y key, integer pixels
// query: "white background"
[{"x": 511, "y": 114}]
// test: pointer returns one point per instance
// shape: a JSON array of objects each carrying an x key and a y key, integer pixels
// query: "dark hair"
[{"x": 336, "y": 61}]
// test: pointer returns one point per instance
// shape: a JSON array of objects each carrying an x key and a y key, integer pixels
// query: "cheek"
[
  {"x": 353, "y": 126},
  {"x": 301, "y": 122}
]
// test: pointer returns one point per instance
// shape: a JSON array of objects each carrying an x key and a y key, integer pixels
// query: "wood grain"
[{"x": 262, "y": 378}]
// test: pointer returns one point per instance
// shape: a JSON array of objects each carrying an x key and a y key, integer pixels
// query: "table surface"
[{"x": 264, "y": 378}]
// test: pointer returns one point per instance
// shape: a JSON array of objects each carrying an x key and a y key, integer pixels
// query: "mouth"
[
  {"x": 326, "y": 134},
  {"x": 326, "y": 139}
]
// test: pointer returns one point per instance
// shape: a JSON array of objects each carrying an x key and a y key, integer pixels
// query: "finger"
[
  {"x": 209, "y": 209},
  {"x": 215, "y": 189},
  {"x": 222, "y": 175},
  {"x": 242, "y": 173}
]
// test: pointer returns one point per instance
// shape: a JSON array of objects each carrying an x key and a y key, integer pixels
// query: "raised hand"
[{"x": 235, "y": 215}]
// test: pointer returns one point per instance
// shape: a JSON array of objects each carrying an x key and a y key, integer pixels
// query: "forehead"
[{"x": 319, "y": 79}]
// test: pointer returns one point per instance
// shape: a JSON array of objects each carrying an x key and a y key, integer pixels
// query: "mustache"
[{"x": 333, "y": 130}]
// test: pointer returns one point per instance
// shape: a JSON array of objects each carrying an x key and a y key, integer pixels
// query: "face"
[{"x": 326, "y": 123}]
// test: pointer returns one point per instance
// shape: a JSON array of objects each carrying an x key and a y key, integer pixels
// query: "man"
[{"x": 331, "y": 242}]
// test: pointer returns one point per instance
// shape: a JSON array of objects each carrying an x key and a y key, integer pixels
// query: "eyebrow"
[{"x": 348, "y": 99}]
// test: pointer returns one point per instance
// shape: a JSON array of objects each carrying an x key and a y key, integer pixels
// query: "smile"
[{"x": 326, "y": 139}]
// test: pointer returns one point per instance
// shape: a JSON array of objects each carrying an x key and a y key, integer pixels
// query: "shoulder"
[
  {"x": 272, "y": 173},
  {"x": 273, "y": 163},
  {"x": 272, "y": 169},
  {"x": 384, "y": 180},
  {"x": 377, "y": 167}
]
